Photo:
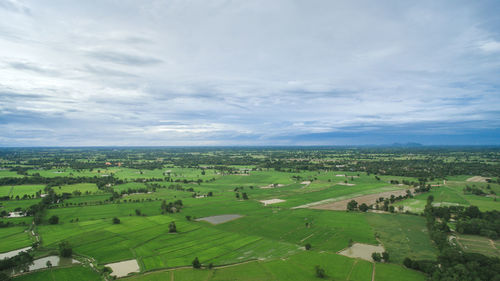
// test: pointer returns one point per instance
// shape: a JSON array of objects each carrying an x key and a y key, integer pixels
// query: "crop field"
[
  {"x": 478, "y": 244},
  {"x": 403, "y": 236},
  {"x": 14, "y": 238},
  {"x": 117, "y": 210},
  {"x": 58, "y": 274},
  {"x": 20, "y": 190}
]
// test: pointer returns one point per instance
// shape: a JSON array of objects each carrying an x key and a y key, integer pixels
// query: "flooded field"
[
  {"x": 220, "y": 219},
  {"x": 362, "y": 251},
  {"x": 10, "y": 254},
  {"x": 124, "y": 268}
]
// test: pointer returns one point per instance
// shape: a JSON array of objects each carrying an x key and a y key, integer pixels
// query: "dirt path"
[
  {"x": 373, "y": 272},
  {"x": 367, "y": 199},
  {"x": 350, "y": 271},
  {"x": 492, "y": 244}
]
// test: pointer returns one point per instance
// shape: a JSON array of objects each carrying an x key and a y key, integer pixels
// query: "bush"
[
  {"x": 65, "y": 249},
  {"x": 54, "y": 220},
  {"x": 363, "y": 207},
  {"x": 320, "y": 272},
  {"x": 376, "y": 257},
  {"x": 172, "y": 228},
  {"x": 116, "y": 220},
  {"x": 385, "y": 256},
  {"x": 196, "y": 263},
  {"x": 308, "y": 246}
]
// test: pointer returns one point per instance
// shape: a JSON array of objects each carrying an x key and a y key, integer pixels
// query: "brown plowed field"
[{"x": 367, "y": 199}]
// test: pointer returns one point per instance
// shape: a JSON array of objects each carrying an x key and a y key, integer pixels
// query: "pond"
[
  {"x": 41, "y": 263},
  {"x": 10, "y": 254}
]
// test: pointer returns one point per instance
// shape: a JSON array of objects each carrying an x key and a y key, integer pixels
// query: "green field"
[
  {"x": 268, "y": 242},
  {"x": 14, "y": 238},
  {"x": 62, "y": 274}
]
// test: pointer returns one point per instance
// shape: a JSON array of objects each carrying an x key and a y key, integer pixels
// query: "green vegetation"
[
  {"x": 57, "y": 274},
  {"x": 105, "y": 206}
]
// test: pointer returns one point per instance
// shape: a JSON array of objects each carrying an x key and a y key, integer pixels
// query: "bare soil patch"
[
  {"x": 271, "y": 201},
  {"x": 477, "y": 179},
  {"x": 367, "y": 199},
  {"x": 362, "y": 251},
  {"x": 345, "y": 183},
  {"x": 123, "y": 268},
  {"x": 272, "y": 185},
  {"x": 220, "y": 219},
  {"x": 306, "y": 183}
]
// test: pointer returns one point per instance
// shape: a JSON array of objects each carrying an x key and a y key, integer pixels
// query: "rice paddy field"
[{"x": 282, "y": 240}]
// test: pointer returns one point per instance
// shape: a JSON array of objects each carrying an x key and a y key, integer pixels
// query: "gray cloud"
[
  {"x": 122, "y": 58},
  {"x": 245, "y": 72}
]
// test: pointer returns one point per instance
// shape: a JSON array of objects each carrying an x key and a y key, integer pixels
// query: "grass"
[
  {"x": 61, "y": 274},
  {"x": 14, "y": 238},
  {"x": 20, "y": 190},
  {"x": 393, "y": 272},
  {"x": 403, "y": 236},
  {"x": 479, "y": 244}
]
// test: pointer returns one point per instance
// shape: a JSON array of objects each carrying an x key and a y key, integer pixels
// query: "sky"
[{"x": 189, "y": 73}]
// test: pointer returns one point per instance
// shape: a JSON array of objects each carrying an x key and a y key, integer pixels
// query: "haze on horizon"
[{"x": 101, "y": 73}]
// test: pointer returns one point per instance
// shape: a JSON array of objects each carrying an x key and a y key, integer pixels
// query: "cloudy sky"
[{"x": 118, "y": 72}]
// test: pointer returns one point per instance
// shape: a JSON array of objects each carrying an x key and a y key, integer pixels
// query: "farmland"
[{"x": 109, "y": 209}]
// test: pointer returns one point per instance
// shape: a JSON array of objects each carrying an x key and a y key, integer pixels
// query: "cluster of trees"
[
  {"x": 470, "y": 220},
  {"x": 21, "y": 262},
  {"x": 378, "y": 257},
  {"x": 171, "y": 207},
  {"x": 453, "y": 263}
]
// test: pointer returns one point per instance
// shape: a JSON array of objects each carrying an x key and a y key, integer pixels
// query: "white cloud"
[{"x": 248, "y": 69}]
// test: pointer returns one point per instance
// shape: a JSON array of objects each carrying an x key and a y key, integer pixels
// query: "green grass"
[
  {"x": 403, "y": 236},
  {"x": 61, "y": 274},
  {"x": 393, "y": 272},
  {"x": 20, "y": 190},
  {"x": 14, "y": 238},
  {"x": 479, "y": 244}
]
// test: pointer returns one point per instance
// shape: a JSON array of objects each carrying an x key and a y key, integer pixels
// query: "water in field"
[
  {"x": 54, "y": 260},
  {"x": 362, "y": 251},
  {"x": 123, "y": 268},
  {"x": 220, "y": 219},
  {"x": 10, "y": 254},
  {"x": 41, "y": 263}
]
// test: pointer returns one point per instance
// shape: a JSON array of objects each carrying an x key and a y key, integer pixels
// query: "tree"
[
  {"x": 308, "y": 246},
  {"x": 385, "y": 256},
  {"x": 376, "y": 257},
  {"x": 363, "y": 207},
  {"x": 65, "y": 249},
  {"x": 116, "y": 220},
  {"x": 245, "y": 196},
  {"x": 48, "y": 264},
  {"x": 352, "y": 205},
  {"x": 320, "y": 272},
  {"x": 172, "y": 228},
  {"x": 54, "y": 220},
  {"x": 138, "y": 212},
  {"x": 196, "y": 263},
  {"x": 4, "y": 277}
]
